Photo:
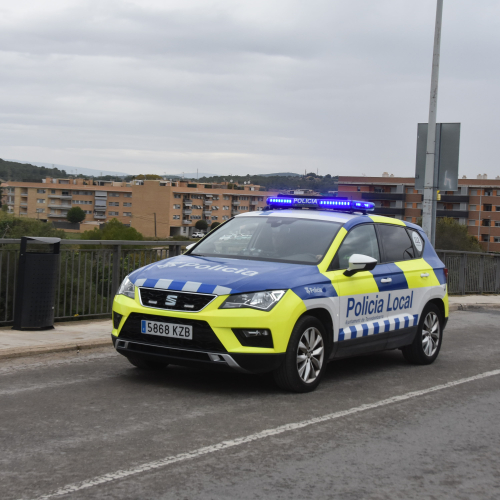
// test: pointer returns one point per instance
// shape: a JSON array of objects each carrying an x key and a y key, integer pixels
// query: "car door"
[
  {"x": 361, "y": 328},
  {"x": 400, "y": 276}
]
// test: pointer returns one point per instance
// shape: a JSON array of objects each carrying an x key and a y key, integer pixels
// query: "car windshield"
[{"x": 276, "y": 239}]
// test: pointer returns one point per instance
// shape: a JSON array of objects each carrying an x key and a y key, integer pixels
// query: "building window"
[
  {"x": 127, "y": 195},
  {"x": 215, "y": 197},
  {"x": 127, "y": 204},
  {"x": 177, "y": 217},
  {"x": 41, "y": 191},
  {"x": 497, "y": 223},
  {"x": 177, "y": 195},
  {"x": 486, "y": 222},
  {"x": 484, "y": 237},
  {"x": 496, "y": 239},
  {"x": 114, "y": 203},
  {"x": 40, "y": 210},
  {"x": 113, "y": 213},
  {"x": 243, "y": 208},
  {"x": 214, "y": 207},
  {"x": 472, "y": 222},
  {"x": 473, "y": 192},
  {"x": 214, "y": 217},
  {"x": 114, "y": 195},
  {"x": 419, "y": 205},
  {"x": 176, "y": 207},
  {"x": 473, "y": 208},
  {"x": 488, "y": 192},
  {"x": 40, "y": 200},
  {"x": 225, "y": 208},
  {"x": 127, "y": 214},
  {"x": 226, "y": 197},
  {"x": 225, "y": 217},
  {"x": 52, "y": 191},
  {"x": 87, "y": 212},
  {"x": 409, "y": 205},
  {"x": 408, "y": 219},
  {"x": 487, "y": 208}
]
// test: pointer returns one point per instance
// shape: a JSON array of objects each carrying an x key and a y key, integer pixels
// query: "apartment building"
[
  {"x": 154, "y": 207},
  {"x": 476, "y": 203}
]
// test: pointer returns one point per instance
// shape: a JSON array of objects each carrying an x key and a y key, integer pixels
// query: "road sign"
[{"x": 447, "y": 155}]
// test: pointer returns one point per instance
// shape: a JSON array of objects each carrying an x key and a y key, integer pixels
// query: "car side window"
[
  {"x": 396, "y": 242},
  {"x": 361, "y": 239}
]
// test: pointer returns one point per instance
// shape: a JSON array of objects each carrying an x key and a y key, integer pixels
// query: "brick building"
[
  {"x": 475, "y": 204},
  {"x": 158, "y": 207}
]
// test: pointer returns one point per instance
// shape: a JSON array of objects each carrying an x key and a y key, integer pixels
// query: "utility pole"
[
  {"x": 155, "y": 223},
  {"x": 430, "y": 184}
]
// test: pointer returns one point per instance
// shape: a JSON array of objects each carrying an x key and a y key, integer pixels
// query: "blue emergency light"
[{"x": 341, "y": 205}]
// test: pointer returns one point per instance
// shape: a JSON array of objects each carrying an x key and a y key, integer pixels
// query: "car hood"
[{"x": 222, "y": 276}]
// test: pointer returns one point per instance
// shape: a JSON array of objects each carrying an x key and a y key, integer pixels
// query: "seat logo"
[{"x": 171, "y": 300}]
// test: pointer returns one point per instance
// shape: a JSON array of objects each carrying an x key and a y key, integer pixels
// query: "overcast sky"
[{"x": 232, "y": 87}]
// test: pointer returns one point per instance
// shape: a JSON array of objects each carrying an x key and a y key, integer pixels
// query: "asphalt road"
[{"x": 95, "y": 427}]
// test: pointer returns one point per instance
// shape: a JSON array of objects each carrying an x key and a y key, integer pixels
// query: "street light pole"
[{"x": 430, "y": 186}]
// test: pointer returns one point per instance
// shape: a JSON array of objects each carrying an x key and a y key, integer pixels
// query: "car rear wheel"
[
  {"x": 305, "y": 358},
  {"x": 146, "y": 364},
  {"x": 427, "y": 343}
]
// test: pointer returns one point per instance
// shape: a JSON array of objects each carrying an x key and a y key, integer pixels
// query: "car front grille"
[
  {"x": 204, "y": 338},
  {"x": 174, "y": 301}
]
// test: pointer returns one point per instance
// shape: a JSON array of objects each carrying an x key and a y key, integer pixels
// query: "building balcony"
[
  {"x": 61, "y": 196},
  {"x": 455, "y": 214},
  {"x": 207, "y": 212},
  {"x": 99, "y": 215},
  {"x": 186, "y": 222},
  {"x": 236, "y": 203},
  {"x": 24, "y": 195},
  {"x": 188, "y": 203},
  {"x": 60, "y": 216},
  {"x": 208, "y": 202},
  {"x": 254, "y": 203},
  {"x": 452, "y": 198},
  {"x": 187, "y": 212},
  {"x": 23, "y": 204},
  {"x": 379, "y": 196},
  {"x": 388, "y": 211}
]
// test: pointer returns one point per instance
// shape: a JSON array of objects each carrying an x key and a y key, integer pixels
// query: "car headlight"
[
  {"x": 263, "y": 301},
  {"x": 127, "y": 288}
]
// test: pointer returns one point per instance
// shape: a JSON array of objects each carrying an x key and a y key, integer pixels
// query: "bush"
[
  {"x": 76, "y": 215},
  {"x": 201, "y": 225},
  {"x": 16, "y": 227},
  {"x": 113, "y": 230},
  {"x": 214, "y": 225},
  {"x": 450, "y": 235}
]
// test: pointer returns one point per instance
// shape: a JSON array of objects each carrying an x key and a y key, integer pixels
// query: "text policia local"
[{"x": 376, "y": 305}]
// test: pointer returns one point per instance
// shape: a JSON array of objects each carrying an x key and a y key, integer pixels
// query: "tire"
[
  {"x": 427, "y": 343},
  {"x": 145, "y": 364},
  {"x": 304, "y": 363}
]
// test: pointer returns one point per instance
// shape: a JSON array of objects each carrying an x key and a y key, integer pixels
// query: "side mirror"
[
  {"x": 359, "y": 262},
  {"x": 190, "y": 246}
]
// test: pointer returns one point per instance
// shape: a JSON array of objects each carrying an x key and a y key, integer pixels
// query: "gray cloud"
[{"x": 269, "y": 86}]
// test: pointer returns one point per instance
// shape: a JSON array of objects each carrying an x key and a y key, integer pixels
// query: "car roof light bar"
[{"x": 342, "y": 205}]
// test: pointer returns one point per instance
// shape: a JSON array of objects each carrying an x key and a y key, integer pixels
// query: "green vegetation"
[
  {"x": 13, "y": 171},
  {"x": 322, "y": 184},
  {"x": 450, "y": 235},
  {"x": 16, "y": 227},
  {"x": 76, "y": 215},
  {"x": 201, "y": 225},
  {"x": 214, "y": 225},
  {"x": 113, "y": 230}
]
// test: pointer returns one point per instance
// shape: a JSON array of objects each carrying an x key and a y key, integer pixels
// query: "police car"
[{"x": 315, "y": 279}]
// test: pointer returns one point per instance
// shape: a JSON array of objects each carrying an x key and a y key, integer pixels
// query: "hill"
[{"x": 13, "y": 171}]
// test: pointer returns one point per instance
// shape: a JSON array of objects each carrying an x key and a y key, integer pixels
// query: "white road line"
[{"x": 121, "y": 474}]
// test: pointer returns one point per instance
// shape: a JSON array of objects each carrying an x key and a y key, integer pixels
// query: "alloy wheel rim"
[
  {"x": 310, "y": 355},
  {"x": 430, "y": 334}
]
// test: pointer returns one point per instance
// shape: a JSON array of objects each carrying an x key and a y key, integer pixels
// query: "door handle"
[
  {"x": 386, "y": 280},
  {"x": 424, "y": 275}
]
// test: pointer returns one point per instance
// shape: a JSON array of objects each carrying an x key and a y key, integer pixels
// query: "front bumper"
[
  {"x": 214, "y": 342},
  {"x": 245, "y": 363}
]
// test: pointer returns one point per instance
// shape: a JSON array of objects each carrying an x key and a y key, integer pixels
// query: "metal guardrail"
[
  {"x": 88, "y": 277},
  {"x": 471, "y": 272}
]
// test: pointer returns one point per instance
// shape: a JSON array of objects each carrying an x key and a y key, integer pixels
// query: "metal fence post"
[
  {"x": 461, "y": 274},
  {"x": 497, "y": 277},
  {"x": 117, "y": 253},
  {"x": 481, "y": 273}
]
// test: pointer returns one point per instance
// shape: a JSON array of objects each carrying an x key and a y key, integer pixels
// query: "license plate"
[{"x": 167, "y": 329}]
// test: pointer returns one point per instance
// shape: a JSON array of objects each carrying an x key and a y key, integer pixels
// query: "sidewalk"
[{"x": 78, "y": 335}]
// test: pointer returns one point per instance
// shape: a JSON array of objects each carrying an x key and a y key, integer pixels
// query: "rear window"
[{"x": 278, "y": 239}]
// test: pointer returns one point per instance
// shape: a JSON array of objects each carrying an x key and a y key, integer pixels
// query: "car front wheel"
[{"x": 305, "y": 358}]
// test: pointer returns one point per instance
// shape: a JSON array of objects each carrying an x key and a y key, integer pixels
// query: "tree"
[
  {"x": 75, "y": 215},
  {"x": 113, "y": 230},
  {"x": 450, "y": 235},
  {"x": 201, "y": 225},
  {"x": 214, "y": 225},
  {"x": 15, "y": 227}
]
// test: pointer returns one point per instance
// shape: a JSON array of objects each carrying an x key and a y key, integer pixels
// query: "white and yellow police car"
[{"x": 285, "y": 290}]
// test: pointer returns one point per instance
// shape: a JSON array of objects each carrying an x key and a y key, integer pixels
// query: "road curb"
[
  {"x": 19, "y": 352},
  {"x": 471, "y": 307}
]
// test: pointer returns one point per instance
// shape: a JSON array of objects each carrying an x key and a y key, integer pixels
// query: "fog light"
[{"x": 255, "y": 333}]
